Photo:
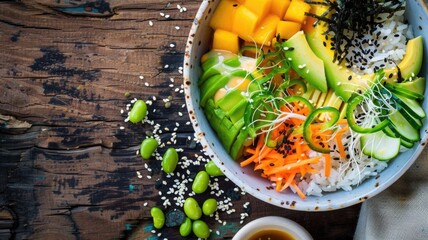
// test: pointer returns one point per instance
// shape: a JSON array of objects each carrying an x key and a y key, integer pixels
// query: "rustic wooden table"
[{"x": 68, "y": 168}]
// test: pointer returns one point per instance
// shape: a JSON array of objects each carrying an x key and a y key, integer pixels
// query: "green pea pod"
[
  {"x": 352, "y": 105},
  {"x": 201, "y": 229},
  {"x": 148, "y": 147},
  {"x": 212, "y": 169},
  {"x": 138, "y": 111},
  {"x": 307, "y": 131},
  {"x": 170, "y": 160},
  {"x": 158, "y": 217},
  {"x": 201, "y": 181},
  {"x": 186, "y": 227},
  {"x": 191, "y": 208}
]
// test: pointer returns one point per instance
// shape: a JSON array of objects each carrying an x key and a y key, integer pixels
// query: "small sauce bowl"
[{"x": 273, "y": 224}]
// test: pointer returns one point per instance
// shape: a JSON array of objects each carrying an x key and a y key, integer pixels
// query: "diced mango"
[
  {"x": 225, "y": 40},
  {"x": 279, "y": 7},
  {"x": 224, "y": 14},
  {"x": 296, "y": 11},
  {"x": 286, "y": 29},
  {"x": 266, "y": 30},
  {"x": 259, "y": 7},
  {"x": 244, "y": 23}
]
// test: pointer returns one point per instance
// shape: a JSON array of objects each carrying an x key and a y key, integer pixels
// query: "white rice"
[{"x": 381, "y": 47}]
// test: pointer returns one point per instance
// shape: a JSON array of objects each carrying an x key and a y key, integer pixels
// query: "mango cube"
[
  {"x": 266, "y": 30},
  {"x": 244, "y": 23},
  {"x": 296, "y": 11},
  {"x": 259, "y": 7},
  {"x": 224, "y": 40},
  {"x": 224, "y": 14},
  {"x": 279, "y": 7},
  {"x": 286, "y": 29}
]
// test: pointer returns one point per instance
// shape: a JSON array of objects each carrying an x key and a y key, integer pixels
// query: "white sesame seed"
[
  {"x": 121, "y": 127},
  {"x": 162, "y": 14},
  {"x": 172, "y": 45},
  {"x": 150, "y": 23},
  {"x": 177, "y": 27}
]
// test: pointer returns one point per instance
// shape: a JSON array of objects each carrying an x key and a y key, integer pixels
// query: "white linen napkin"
[{"x": 401, "y": 211}]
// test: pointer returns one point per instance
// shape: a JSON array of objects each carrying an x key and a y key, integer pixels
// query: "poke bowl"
[{"x": 384, "y": 172}]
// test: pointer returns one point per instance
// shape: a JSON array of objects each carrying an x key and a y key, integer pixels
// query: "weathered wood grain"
[{"x": 65, "y": 67}]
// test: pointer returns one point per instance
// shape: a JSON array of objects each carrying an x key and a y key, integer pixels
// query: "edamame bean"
[
  {"x": 201, "y": 181},
  {"x": 186, "y": 227},
  {"x": 138, "y": 111},
  {"x": 209, "y": 206},
  {"x": 170, "y": 160},
  {"x": 148, "y": 147},
  {"x": 201, "y": 229},
  {"x": 158, "y": 217},
  {"x": 192, "y": 209},
  {"x": 213, "y": 170}
]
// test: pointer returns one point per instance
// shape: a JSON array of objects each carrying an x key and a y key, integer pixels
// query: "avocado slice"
[
  {"x": 230, "y": 99},
  {"x": 213, "y": 64},
  {"x": 345, "y": 82},
  {"x": 305, "y": 62}
]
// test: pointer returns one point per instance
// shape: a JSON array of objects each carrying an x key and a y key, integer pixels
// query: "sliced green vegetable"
[
  {"x": 333, "y": 114},
  {"x": 352, "y": 105}
]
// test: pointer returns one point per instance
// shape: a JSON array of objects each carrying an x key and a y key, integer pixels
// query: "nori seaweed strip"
[{"x": 353, "y": 16}]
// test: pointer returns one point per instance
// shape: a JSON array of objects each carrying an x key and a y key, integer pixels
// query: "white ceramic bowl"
[
  {"x": 272, "y": 222},
  {"x": 198, "y": 44}
]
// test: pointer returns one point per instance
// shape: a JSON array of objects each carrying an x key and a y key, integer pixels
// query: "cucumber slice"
[
  {"x": 417, "y": 85},
  {"x": 411, "y": 106},
  {"x": 414, "y": 122},
  {"x": 406, "y": 144},
  {"x": 403, "y": 128},
  {"x": 389, "y": 132},
  {"x": 397, "y": 90},
  {"x": 380, "y": 146}
]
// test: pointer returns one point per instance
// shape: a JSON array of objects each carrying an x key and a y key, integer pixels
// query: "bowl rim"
[{"x": 199, "y": 134}]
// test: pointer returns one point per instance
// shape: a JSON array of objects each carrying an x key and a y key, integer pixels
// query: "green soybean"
[
  {"x": 192, "y": 209},
  {"x": 148, "y": 147},
  {"x": 201, "y": 229},
  {"x": 213, "y": 170},
  {"x": 186, "y": 227},
  {"x": 158, "y": 217},
  {"x": 201, "y": 181},
  {"x": 138, "y": 111},
  {"x": 209, "y": 206},
  {"x": 170, "y": 160}
]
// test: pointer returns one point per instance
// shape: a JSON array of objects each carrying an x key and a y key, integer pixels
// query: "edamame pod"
[
  {"x": 138, "y": 112},
  {"x": 192, "y": 209},
  {"x": 170, "y": 160},
  {"x": 201, "y": 181},
  {"x": 209, "y": 206},
  {"x": 201, "y": 229},
  {"x": 186, "y": 227},
  {"x": 213, "y": 170},
  {"x": 148, "y": 147},
  {"x": 158, "y": 217}
]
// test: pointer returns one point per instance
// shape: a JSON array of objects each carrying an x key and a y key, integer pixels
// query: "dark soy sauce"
[{"x": 271, "y": 234}]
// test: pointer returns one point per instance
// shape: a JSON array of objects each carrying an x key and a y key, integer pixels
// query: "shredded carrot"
[
  {"x": 338, "y": 138},
  {"x": 298, "y": 190},
  {"x": 289, "y": 161},
  {"x": 327, "y": 165}
]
